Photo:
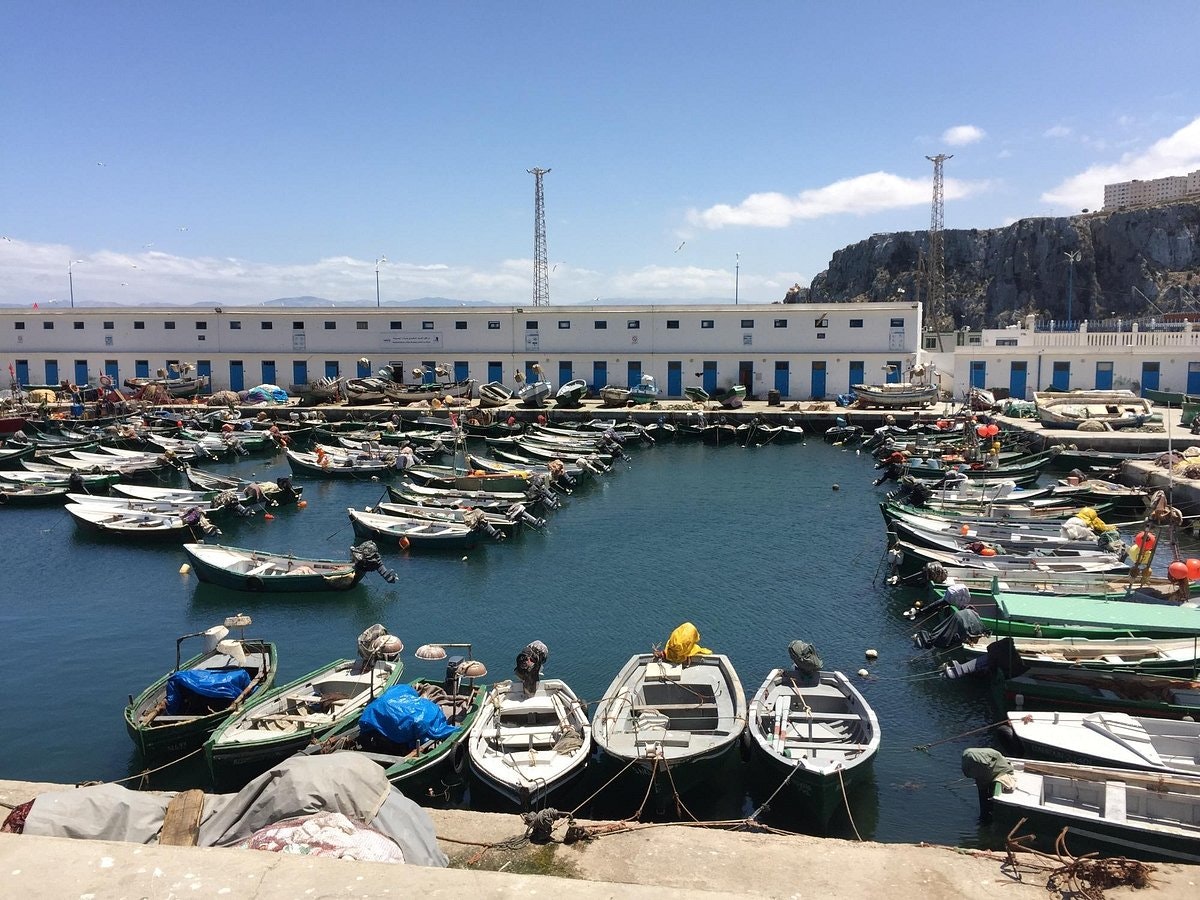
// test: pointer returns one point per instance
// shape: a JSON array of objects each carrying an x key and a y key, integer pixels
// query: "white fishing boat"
[
  {"x": 814, "y": 730},
  {"x": 1143, "y": 815},
  {"x": 1110, "y": 409},
  {"x": 658, "y": 717},
  {"x": 896, "y": 395},
  {"x": 528, "y": 746},
  {"x": 1110, "y": 739},
  {"x": 494, "y": 394}
]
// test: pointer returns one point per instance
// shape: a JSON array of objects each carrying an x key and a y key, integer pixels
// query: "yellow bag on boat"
[{"x": 683, "y": 644}]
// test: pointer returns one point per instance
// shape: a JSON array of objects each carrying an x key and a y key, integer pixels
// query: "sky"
[{"x": 235, "y": 153}]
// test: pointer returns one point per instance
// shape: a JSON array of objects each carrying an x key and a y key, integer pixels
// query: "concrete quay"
[{"x": 648, "y": 861}]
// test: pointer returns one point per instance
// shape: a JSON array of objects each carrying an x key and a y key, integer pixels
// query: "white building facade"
[
  {"x": 1155, "y": 190},
  {"x": 803, "y": 351},
  {"x": 1022, "y": 360}
]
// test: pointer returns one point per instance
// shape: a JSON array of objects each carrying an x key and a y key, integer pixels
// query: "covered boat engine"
[
  {"x": 194, "y": 517},
  {"x": 529, "y": 664},
  {"x": 376, "y": 643},
  {"x": 518, "y": 513},
  {"x": 962, "y": 624},
  {"x": 230, "y": 499},
  {"x": 476, "y": 520},
  {"x": 367, "y": 559},
  {"x": 806, "y": 660}
]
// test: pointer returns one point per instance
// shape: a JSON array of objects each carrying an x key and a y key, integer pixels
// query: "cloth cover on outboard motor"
[
  {"x": 215, "y": 684},
  {"x": 529, "y": 664},
  {"x": 964, "y": 623},
  {"x": 404, "y": 717},
  {"x": 805, "y": 657},
  {"x": 367, "y": 559},
  {"x": 683, "y": 644}
]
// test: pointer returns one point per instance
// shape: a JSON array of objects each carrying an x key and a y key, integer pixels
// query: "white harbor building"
[{"x": 803, "y": 351}]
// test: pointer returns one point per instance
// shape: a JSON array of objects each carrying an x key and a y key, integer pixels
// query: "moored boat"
[
  {"x": 814, "y": 730},
  {"x": 1109, "y": 739},
  {"x": 176, "y": 713},
  {"x": 260, "y": 571},
  {"x": 680, "y": 713},
  {"x": 279, "y": 722}
]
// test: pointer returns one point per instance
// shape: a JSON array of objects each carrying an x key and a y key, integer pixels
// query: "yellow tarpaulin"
[{"x": 683, "y": 644}]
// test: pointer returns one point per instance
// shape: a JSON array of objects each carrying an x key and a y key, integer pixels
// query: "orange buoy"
[
  {"x": 405, "y": 543},
  {"x": 268, "y": 517},
  {"x": 987, "y": 551},
  {"x": 302, "y": 503}
]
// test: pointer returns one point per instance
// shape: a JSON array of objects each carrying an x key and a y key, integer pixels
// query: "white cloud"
[
  {"x": 962, "y": 135},
  {"x": 860, "y": 195},
  {"x": 1176, "y": 154},
  {"x": 1057, "y": 131}
]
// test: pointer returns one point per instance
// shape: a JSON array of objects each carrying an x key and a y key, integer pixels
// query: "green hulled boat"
[{"x": 175, "y": 714}]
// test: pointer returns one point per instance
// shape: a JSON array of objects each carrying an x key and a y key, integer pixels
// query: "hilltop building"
[{"x": 1125, "y": 194}]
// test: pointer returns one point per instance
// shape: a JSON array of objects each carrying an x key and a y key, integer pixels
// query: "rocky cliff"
[{"x": 1129, "y": 264}]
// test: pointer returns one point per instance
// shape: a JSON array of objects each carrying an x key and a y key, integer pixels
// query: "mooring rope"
[
  {"x": 925, "y": 747},
  {"x": 846, "y": 801}
]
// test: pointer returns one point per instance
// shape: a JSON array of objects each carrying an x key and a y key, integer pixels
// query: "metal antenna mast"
[
  {"x": 541, "y": 278},
  {"x": 936, "y": 262}
]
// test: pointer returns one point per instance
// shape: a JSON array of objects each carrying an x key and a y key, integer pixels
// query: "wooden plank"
[
  {"x": 181, "y": 824},
  {"x": 783, "y": 703}
]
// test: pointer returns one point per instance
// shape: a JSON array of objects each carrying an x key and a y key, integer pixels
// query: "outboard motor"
[
  {"x": 539, "y": 492},
  {"x": 76, "y": 483},
  {"x": 518, "y": 513},
  {"x": 376, "y": 643},
  {"x": 807, "y": 661},
  {"x": 287, "y": 493},
  {"x": 194, "y": 517},
  {"x": 529, "y": 664},
  {"x": 450, "y": 685},
  {"x": 476, "y": 520},
  {"x": 230, "y": 499},
  {"x": 366, "y": 558}
]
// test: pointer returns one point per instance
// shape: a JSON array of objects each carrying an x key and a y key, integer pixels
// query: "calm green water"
[{"x": 752, "y": 545}]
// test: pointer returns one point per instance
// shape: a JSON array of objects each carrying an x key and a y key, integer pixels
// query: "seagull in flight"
[
  {"x": 680, "y": 247},
  {"x": 182, "y": 228},
  {"x": 148, "y": 246},
  {"x": 100, "y": 164}
]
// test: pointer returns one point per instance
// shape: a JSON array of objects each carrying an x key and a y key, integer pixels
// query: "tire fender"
[{"x": 255, "y": 583}]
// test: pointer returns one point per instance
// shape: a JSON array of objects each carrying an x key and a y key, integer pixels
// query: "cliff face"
[{"x": 994, "y": 276}]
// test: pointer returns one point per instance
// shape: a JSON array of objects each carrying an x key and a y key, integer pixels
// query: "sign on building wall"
[
  {"x": 531, "y": 340},
  {"x": 417, "y": 340}
]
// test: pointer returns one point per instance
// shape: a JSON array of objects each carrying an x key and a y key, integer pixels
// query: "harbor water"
[{"x": 756, "y": 546}]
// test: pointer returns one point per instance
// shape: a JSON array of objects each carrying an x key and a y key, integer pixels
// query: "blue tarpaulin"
[
  {"x": 404, "y": 717},
  {"x": 268, "y": 393},
  {"x": 221, "y": 684}
]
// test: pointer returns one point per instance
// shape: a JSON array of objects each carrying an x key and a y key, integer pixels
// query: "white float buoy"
[
  {"x": 464, "y": 559},
  {"x": 185, "y": 569},
  {"x": 863, "y": 673},
  {"x": 872, "y": 654}
]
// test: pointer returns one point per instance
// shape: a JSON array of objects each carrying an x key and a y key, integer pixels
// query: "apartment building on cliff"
[{"x": 1125, "y": 194}]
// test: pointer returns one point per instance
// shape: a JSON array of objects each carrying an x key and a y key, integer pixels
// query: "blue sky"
[{"x": 241, "y": 152}]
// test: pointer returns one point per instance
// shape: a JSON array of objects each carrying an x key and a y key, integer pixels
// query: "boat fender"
[
  {"x": 744, "y": 746},
  {"x": 255, "y": 583},
  {"x": 458, "y": 757}
]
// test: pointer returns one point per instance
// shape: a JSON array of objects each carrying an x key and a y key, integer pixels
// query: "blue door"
[
  {"x": 462, "y": 370},
  {"x": 1061, "y": 379},
  {"x": 1018, "y": 375},
  {"x": 81, "y": 372},
  {"x": 818, "y": 380},
  {"x": 1150, "y": 373},
  {"x": 674, "y": 378},
  {"x": 332, "y": 369},
  {"x": 1193, "y": 382},
  {"x": 52, "y": 372},
  {"x": 299, "y": 371},
  {"x": 495, "y": 371},
  {"x": 268, "y": 371},
  {"x": 978, "y": 373},
  {"x": 635, "y": 374},
  {"x": 204, "y": 370},
  {"x": 530, "y": 375},
  {"x": 364, "y": 368},
  {"x": 599, "y": 376},
  {"x": 858, "y": 372},
  {"x": 22, "y": 371},
  {"x": 1104, "y": 375},
  {"x": 237, "y": 376},
  {"x": 111, "y": 370},
  {"x": 710, "y": 376},
  {"x": 895, "y": 371},
  {"x": 565, "y": 373},
  {"x": 782, "y": 378},
  {"x": 141, "y": 368},
  {"x": 430, "y": 375}
]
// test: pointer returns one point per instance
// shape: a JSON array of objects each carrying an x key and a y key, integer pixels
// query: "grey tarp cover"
[
  {"x": 984, "y": 764},
  {"x": 338, "y": 782}
]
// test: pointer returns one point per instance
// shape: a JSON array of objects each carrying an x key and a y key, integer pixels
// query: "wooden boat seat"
[
  {"x": 1114, "y": 801},
  {"x": 666, "y": 739},
  {"x": 790, "y": 744},
  {"x": 824, "y": 717},
  {"x": 171, "y": 720},
  {"x": 659, "y": 707},
  {"x": 260, "y": 569}
]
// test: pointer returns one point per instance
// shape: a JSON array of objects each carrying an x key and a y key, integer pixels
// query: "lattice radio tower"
[
  {"x": 935, "y": 263},
  {"x": 541, "y": 277}
]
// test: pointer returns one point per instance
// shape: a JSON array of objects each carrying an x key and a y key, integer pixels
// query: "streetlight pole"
[
  {"x": 381, "y": 259},
  {"x": 1073, "y": 256},
  {"x": 737, "y": 267},
  {"x": 71, "y": 279}
]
